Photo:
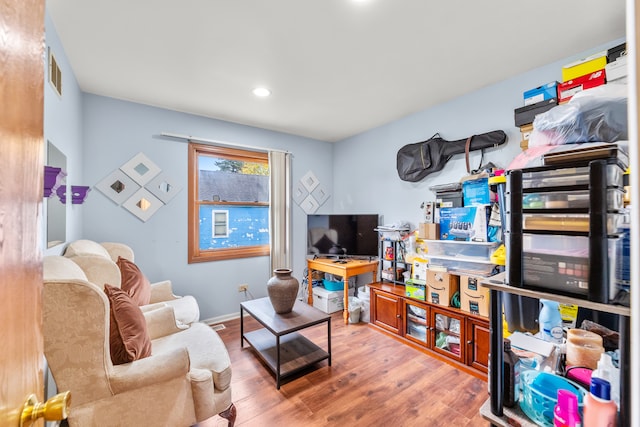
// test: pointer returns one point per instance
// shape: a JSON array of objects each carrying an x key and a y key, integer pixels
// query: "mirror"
[{"x": 56, "y": 210}]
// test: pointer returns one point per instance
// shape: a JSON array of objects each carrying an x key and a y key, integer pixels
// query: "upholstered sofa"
[
  {"x": 106, "y": 270},
  {"x": 184, "y": 379}
]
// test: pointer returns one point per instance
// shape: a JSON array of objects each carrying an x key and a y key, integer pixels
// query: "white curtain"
[{"x": 280, "y": 209}]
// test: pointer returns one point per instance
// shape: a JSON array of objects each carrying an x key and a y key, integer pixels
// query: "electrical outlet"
[{"x": 243, "y": 288}]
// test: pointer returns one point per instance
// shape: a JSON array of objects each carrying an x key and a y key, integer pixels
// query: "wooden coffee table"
[{"x": 278, "y": 344}]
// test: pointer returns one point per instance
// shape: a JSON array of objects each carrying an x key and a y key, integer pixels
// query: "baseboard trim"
[{"x": 219, "y": 319}]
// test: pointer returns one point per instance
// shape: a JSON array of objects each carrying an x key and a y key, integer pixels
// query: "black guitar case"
[{"x": 417, "y": 160}]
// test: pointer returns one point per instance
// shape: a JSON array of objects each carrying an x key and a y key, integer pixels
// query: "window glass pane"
[
  {"x": 225, "y": 180},
  {"x": 248, "y": 226},
  {"x": 220, "y": 224}
]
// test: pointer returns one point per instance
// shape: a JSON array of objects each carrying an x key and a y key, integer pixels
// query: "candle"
[{"x": 583, "y": 348}]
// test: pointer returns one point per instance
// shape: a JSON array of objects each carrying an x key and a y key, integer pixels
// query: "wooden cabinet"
[
  {"x": 478, "y": 344},
  {"x": 447, "y": 333},
  {"x": 386, "y": 311}
]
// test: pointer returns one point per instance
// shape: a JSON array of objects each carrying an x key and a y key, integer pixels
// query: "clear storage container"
[
  {"x": 458, "y": 266},
  {"x": 460, "y": 249},
  {"x": 568, "y": 176},
  {"x": 562, "y": 263},
  {"x": 578, "y": 199},
  {"x": 567, "y": 222}
]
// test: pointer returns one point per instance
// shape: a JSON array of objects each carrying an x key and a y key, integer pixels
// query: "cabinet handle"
[{"x": 469, "y": 342}]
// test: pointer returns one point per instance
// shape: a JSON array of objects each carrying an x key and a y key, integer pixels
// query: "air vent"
[{"x": 55, "y": 75}]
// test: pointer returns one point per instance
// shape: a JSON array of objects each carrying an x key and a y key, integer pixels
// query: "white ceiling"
[{"x": 336, "y": 67}]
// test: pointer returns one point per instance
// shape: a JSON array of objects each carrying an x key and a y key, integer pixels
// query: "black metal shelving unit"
[{"x": 602, "y": 177}]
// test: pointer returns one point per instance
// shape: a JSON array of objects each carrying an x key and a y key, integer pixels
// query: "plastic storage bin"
[
  {"x": 539, "y": 395},
  {"x": 578, "y": 199},
  {"x": 463, "y": 250},
  {"x": 562, "y": 263},
  {"x": 331, "y": 285},
  {"x": 568, "y": 177},
  {"x": 568, "y": 222}
]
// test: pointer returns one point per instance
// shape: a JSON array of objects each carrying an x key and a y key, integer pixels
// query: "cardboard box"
[
  {"x": 569, "y": 88},
  {"x": 526, "y": 115},
  {"x": 464, "y": 224},
  {"x": 449, "y": 199},
  {"x": 616, "y": 70},
  {"x": 525, "y": 131},
  {"x": 616, "y": 52},
  {"x": 429, "y": 231},
  {"x": 327, "y": 301},
  {"x": 474, "y": 298},
  {"x": 477, "y": 192},
  {"x": 419, "y": 270},
  {"x": 584, "y": 66},
  {"x": 540, "y": 93},
  {"x": 440, "y": 287}
]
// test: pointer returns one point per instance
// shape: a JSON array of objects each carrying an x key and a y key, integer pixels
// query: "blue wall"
[
  {"x": 99, "y": 134},
  {"x": 487, "y": 109},
  {"x": 63, "y": 128}
]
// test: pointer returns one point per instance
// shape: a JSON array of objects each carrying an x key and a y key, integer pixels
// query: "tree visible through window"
[{"x": 228, "y": 203}]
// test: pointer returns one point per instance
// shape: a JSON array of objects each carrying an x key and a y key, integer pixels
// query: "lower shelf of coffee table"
[{"x": 296, "y": 351}]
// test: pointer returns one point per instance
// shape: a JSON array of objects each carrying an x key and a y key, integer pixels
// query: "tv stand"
[{"x": 346, "y": 268}]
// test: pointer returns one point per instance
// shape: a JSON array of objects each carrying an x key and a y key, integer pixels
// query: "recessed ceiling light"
[{"x": 261, "y": 91}]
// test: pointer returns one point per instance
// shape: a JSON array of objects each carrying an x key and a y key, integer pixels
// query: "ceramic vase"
[{"x": 282, "y": 289}]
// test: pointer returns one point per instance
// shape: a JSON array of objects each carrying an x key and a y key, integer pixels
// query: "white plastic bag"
[{"x": 593, "y": 115}]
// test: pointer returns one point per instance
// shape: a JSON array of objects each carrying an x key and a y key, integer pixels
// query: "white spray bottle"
[{"x": 550, "y": 321}]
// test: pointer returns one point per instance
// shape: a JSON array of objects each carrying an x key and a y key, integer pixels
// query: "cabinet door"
[
  {"x": 478, "y": 344},
  {"x": 448, "y": 334},
  {"x": 385, "y": 311},
  {"x": 416, "y": 322}
]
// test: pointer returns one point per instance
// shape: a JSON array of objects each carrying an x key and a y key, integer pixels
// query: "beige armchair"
[
  {"x": 104, "y": 271},
  {"x": 185, "y": 380}
]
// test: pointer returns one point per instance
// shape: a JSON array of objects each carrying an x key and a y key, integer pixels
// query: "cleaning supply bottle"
[
  {"x": 565, "y": 413},
  {"x": 511, "y": 375},
  {"x": 550, "y": 321},
  {"x": 607, "y": 371},
  {"x": 599, "y": 410}
]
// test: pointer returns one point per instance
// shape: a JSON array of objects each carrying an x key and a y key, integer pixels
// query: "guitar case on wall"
[{"x": 417, "y": 160}]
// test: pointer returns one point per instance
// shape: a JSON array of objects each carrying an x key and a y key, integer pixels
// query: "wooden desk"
[{"x": 345, "y": 268}]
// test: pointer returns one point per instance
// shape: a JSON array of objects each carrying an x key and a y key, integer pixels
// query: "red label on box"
[{"x": 569, "y": 88}]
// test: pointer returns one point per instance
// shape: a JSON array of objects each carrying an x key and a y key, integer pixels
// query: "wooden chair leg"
[{"x": 229, "y": 414}]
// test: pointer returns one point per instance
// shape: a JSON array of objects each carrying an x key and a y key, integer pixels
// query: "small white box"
[
  {"x": 617, "y": 69},
  {"x": 328, "y": 301},
  {"x": 419, "y": 270}
]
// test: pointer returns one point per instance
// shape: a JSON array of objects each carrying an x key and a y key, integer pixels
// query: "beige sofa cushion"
[{"x": 128, "y": 336}]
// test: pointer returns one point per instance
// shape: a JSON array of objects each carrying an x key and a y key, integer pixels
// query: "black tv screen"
[{"x": 342, "y": 235}]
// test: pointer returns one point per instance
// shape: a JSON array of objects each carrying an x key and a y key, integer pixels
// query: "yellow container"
[{"x": 584, "y": 66}]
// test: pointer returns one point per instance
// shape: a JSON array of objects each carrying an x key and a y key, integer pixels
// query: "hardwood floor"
[{"x": 374, "y": 380}]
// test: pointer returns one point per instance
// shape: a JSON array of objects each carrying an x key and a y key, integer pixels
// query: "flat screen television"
[{"x": 342, "y": 235}]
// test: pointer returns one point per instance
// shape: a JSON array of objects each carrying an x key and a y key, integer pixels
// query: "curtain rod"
[{"x": 188, "y": 138}]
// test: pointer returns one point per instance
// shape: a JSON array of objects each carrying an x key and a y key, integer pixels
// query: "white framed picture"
[
  {"x": 117, "y": 186},
  {"x": 141, "y": 169},
  {"x": 143, "y": 204}
]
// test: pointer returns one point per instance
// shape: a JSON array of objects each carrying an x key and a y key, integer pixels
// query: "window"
[
  {"x": 228, "y": 203},
  {"x": 220, "y": 221}
]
